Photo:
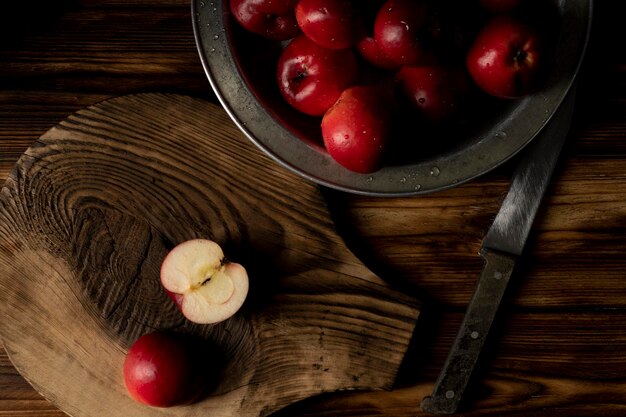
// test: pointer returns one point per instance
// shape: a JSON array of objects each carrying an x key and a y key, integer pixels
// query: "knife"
[{"x": 501, "y": 248}]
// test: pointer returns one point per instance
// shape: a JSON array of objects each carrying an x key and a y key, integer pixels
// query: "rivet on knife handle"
[{"x": 472, "y": 333}]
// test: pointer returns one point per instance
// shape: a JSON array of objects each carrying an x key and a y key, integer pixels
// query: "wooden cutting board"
[{"x": 92, "y": 208}]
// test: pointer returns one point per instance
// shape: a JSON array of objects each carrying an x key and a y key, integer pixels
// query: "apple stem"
[
  {"x": 300, "y": 75},
  {"x": 520, "y": 56}
]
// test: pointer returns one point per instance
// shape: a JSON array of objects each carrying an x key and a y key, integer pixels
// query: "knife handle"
[{"x": 470, "y": 338}]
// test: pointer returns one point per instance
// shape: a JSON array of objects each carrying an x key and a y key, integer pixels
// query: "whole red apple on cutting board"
[{"x": 165, "y": 369}]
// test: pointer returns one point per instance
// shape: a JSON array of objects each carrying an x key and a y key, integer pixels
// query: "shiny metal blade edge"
[{"x": 512, "y": 225}]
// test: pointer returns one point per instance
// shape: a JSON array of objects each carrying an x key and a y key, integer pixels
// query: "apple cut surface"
[{"x": 207, "y": 289}]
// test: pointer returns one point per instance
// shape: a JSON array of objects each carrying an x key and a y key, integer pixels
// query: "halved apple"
[{"x": 206, "y": 288}]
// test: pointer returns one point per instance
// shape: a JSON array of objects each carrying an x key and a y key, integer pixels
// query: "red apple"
[
  {"x": 165, "y": 369},
  {"x": 505, "y": 59},
  {"x": 311, "y": 77},
  {"x": 328, "y": 23},
  {"x": 437, "y": 92},
  {"x": 273, "y": 19},
  {"x": 500, "y": 6},
  {"x": 356, "y": 128},
  {"x": 371, "y": 52},
  {"x": 205, "y": 287},
  {"x": 366, "y": 45},
  {"x": 400, "y": 31}
]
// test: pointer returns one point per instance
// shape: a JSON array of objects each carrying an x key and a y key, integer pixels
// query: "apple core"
[{"x": 206, "y": 287}]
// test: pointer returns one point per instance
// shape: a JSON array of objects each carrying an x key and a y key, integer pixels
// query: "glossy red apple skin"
[
  {"x": 163, "y": 369},
  {"x": 399, "y": 31},
  {"x": 356, "y": 129},
  {"x": 505, "y": 60},
  {"x": 371, "y": 52},
  {"x": 438, "y": 93},
  {"x": 272, "y": 19},
  {"x": 328, "y": 23},
  {"x": 366, "y": 45},
  {"x": 311, "y": 78}
]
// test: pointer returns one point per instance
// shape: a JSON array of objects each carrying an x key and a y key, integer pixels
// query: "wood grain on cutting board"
[{"x": 92, "y": 208}]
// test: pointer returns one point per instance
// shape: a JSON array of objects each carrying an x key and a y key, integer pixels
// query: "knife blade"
[{"x": 502, "y": 246}]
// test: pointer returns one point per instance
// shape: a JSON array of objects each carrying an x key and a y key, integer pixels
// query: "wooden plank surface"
[{"x": 559, "y": 347}]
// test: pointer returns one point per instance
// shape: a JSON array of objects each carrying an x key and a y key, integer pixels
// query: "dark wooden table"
[{"x": 559, "y": 347}]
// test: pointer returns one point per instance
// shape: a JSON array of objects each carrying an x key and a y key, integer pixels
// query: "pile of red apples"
[{"x": 360, "y": 65}]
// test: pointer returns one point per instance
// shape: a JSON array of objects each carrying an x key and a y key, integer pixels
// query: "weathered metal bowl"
[{"x": 238, "y": 67}]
